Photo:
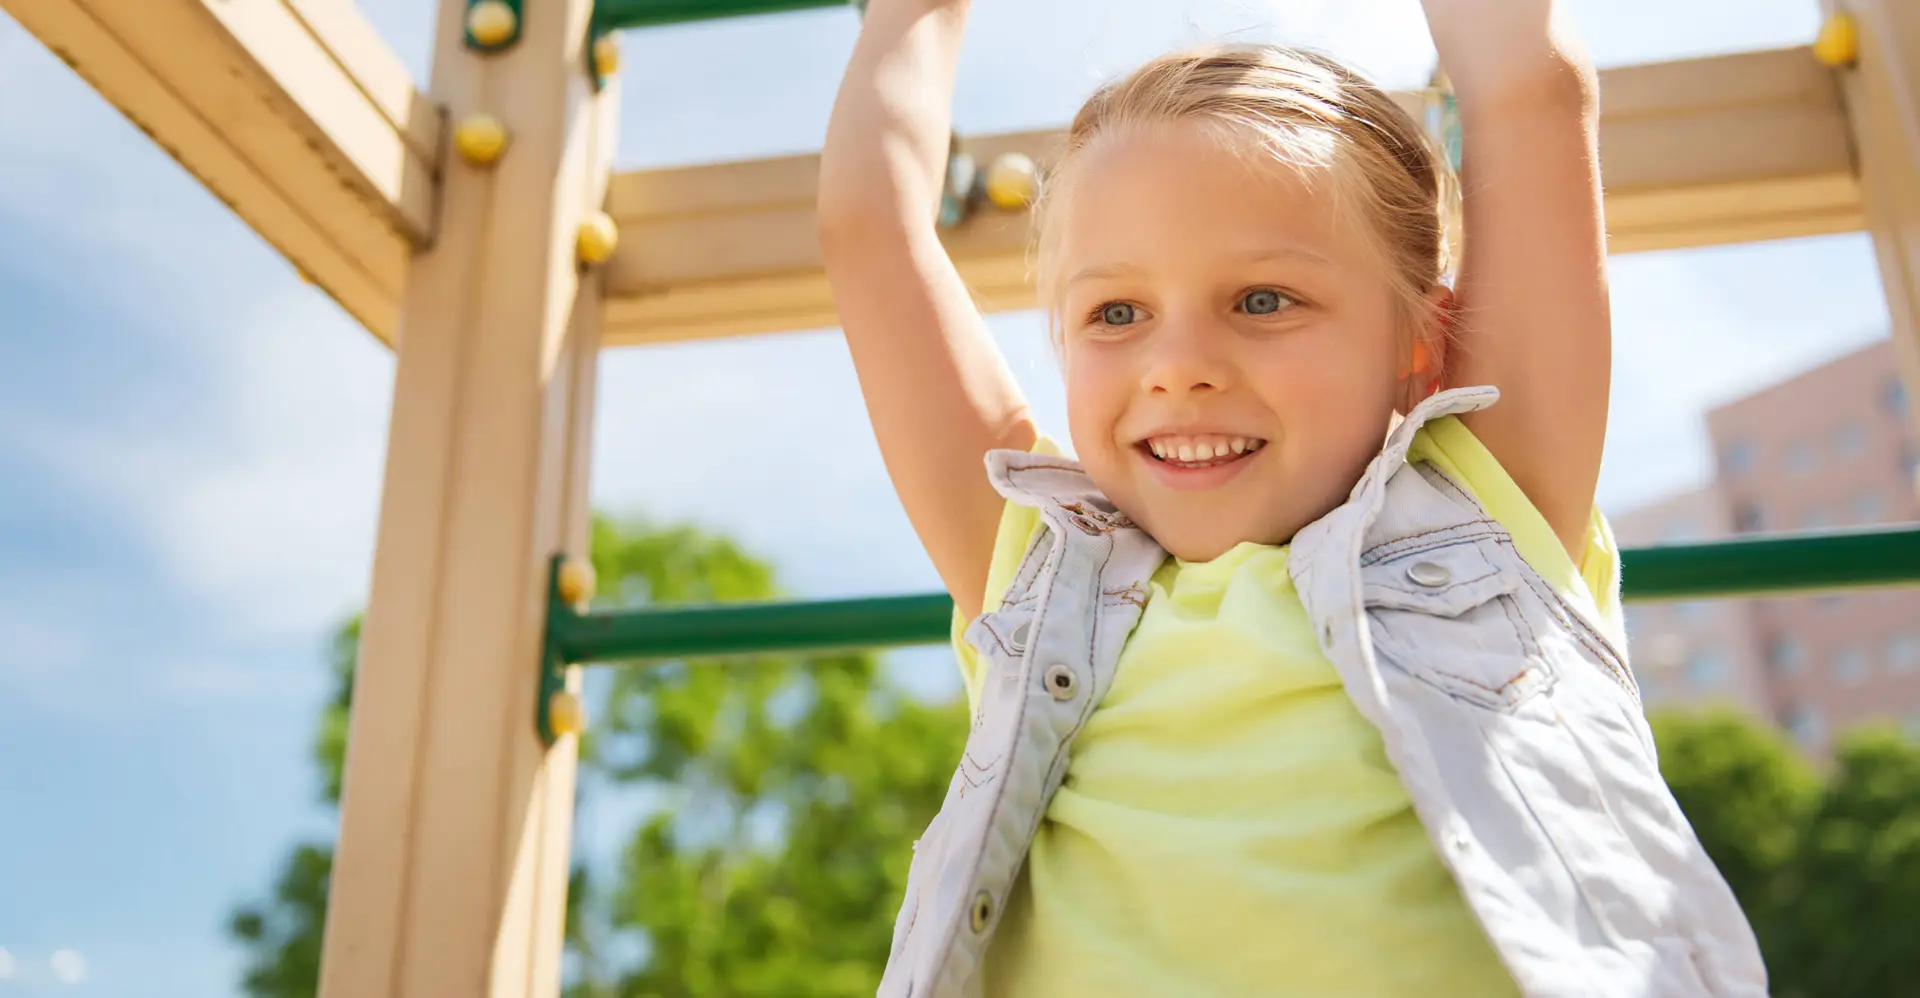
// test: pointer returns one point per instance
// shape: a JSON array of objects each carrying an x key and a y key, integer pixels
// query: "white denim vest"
[{"x": 1514, "y": 723}]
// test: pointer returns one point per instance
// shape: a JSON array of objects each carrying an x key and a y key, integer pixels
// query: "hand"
[{"x": 1502, "y": 52}]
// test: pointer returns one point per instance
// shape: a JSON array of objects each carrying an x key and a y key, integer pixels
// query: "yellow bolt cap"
[
  {"x": 480, "y": 139},
  {"x": 606, "y": 56},
  {"x": 1839, "y": 43},
  {"x": 566, "y": 715},
  {"x": 598, "y": 238},
  {"x": 492, "y": 22},
  {"x": 576, "y": 581},
  {"x": 1011, "y": 183}
]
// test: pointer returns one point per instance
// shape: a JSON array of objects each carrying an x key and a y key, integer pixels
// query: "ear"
[{"x": 1423, "y": 367}]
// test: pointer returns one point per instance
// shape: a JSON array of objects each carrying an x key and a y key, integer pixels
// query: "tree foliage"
[
  {"x": 1849, "y": 896},
  {"x": 1744, "y": 788},
  {"x": 785, "y": 791},
  {"x": 1827, "y": 870},
  {"x": 790, "y": 789}
]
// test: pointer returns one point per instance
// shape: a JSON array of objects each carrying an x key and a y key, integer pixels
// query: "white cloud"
[
  {"x": 68, "y": 966},
  {"x": 53, "y": 647},
  {"x": 264, "y": 505},
  {"x": 64, "y": 642},
  {"x": 208, "y": 680},
  {"x": 42, "y": 637},
  {"x": 8, "y": 967},
  {"x": 255, "y": 482}
]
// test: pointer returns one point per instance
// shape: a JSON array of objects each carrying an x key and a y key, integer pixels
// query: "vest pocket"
[{"x": 1450, "y": 617}]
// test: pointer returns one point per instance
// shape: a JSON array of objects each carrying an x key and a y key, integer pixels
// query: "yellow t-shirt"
[{"x": 1229, "y": 824}]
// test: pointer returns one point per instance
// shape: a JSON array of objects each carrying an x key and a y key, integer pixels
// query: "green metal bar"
[
  {"x": 755, "y": 628},
  {"x": 1745, "y": 566},
  {"x": 1779, "y": 563},
  {"x": 615, "y": 15}
]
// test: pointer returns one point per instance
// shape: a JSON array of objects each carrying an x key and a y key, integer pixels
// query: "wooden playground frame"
[{"x": 451, "y": 871}]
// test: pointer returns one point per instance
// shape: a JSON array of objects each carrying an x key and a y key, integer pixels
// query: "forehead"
[{"x": 1181, "y": 194}]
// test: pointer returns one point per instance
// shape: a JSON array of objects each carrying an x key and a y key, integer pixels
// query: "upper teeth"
[{"x": 1203, "y": 448}]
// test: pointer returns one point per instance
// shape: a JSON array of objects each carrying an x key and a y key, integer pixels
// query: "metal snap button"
[
  {"x": 1018, "y": 641},
  {"x": 1060, "y": 682},
  {"x": 982, "y": 911},
  {"x": 1429, "y": 574}
]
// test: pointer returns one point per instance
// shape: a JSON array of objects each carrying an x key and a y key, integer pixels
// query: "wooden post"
[
  {"x": 1883, "y": 101},
  {"x": 450, "y": 877}
]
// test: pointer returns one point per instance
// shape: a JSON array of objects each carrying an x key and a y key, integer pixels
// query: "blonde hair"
[{"x": 1302, "y": 109}]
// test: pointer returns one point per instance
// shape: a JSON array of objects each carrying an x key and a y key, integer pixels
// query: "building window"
[
  {"x": 1803, "y": 721},
  {"x": 1693, "y": 610},
  {"x": 1750, "y": 517},
  {"x": 1850, "y": 666},
  {"x": 1785, "y": 655},
  {"x": 1802, "y": 459},
  {"x": 1903, "y": 652},
  {"x": 1867, "y": 508},
  {"x": 1816, "y": 519},
  {"x": 1737, "y": 458},
  {"x": 1706, "y": 670},
  {"x": 1850, "y": 440},
  {"x": 1895, "y": 396}
]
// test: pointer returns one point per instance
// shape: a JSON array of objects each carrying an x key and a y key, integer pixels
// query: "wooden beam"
[
  {"x": 1729, "y": 149},
  {"x": 450, "y": 876},
  {"x": 1700, "y": 152},
  {"x": 292, "y": 112},
  {"x": 1883, "y": 100}
]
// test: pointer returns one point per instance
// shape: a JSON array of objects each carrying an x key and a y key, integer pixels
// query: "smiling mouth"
[{"x": 1199, "y": 451}]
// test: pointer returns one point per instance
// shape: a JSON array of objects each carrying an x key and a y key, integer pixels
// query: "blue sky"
[{"x": 191, "y": 439}]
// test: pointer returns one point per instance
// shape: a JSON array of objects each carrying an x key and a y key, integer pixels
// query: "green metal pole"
[
  {"x": 615, "y": 15},
  {"x": 1849, "y": 559},
  {"x": 755, "y": 628},
  {"x": 1745, "y": 566}
]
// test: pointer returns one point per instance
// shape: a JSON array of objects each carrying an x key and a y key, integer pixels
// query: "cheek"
[
  {"x": 1098, "y": 387},
  {"x": 1331, "y": 376}
]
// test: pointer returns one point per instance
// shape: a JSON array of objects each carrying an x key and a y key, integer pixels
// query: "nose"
[{"x": 1186, "y": 356}]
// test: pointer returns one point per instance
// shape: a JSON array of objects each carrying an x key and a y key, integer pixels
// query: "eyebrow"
[{"x": 1109, "y": 271}]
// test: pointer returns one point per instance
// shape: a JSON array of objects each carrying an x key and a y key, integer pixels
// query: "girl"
[{"x": 1262, "y": 706}]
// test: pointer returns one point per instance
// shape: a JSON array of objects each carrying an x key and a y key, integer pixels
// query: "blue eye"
[
  {"x": 1117, "y": 313},
  {"x": 1265, "y": 301}
]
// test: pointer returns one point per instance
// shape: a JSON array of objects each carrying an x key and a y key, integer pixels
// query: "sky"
[{"x": 191, "y": 439}]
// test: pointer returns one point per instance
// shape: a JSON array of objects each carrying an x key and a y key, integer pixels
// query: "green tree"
[
  {"x": 1828, "y": 871},
  {"x": 1849, "y": 896},
  {"x": 1745, "y": 790},
  {"x": 787, "y": 789}
]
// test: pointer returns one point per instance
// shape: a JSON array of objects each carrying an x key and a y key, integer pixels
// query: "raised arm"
[
  {"x": 937, "y": 389},
  {"x": 1532, "y": 287}
]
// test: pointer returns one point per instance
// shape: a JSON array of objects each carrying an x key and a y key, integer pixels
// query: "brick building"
[{"x": 1832, "y": 447}]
